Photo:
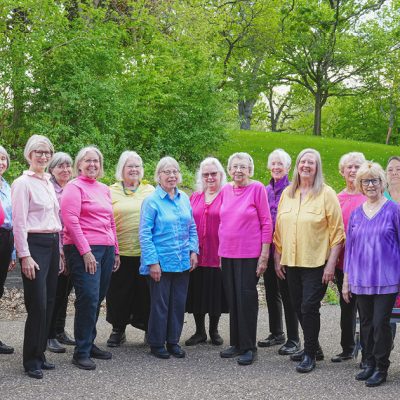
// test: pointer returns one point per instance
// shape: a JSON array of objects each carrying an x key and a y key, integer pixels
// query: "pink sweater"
[
  {"x": 245, "y": 221},
  {"x": 87, "y": 214}
]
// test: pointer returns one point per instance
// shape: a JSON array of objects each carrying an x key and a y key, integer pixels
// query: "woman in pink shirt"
[
  {"x": 90, "y": 248},
  {"x": 245, "y": 234},
  {"x": 206, "y": 294},
  {"x": 36, "y": 226},
  {"x": 349, "y": 198}
]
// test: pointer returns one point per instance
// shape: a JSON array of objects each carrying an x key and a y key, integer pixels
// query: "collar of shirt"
[
  {"x": 280, "y": 184},
  {"x": 162, "y": 193},
  {"x": 46, "y": 176},
  {"x": 57, "y": 187}
]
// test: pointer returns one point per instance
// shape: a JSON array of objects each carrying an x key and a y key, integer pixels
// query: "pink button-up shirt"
[{"x": 35, "y": 209}]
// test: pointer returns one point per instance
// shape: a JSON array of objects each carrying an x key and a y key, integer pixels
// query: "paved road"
[{"x": 134, "y": 374}]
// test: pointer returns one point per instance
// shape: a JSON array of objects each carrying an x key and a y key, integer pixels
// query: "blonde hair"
[
  {"x": 209, "y": 161},
  {"x": 242, "y": 156},
  {"x": 34, "y": 142},
  {"x": 162, "y": 164},
  {"x": 82, "y": 153},
  {"x": 353, "y": 155},
  {"x": 124, "y": 157},
  {"x": 318, "y": 183},
  {"x": 373, "y": 169}
]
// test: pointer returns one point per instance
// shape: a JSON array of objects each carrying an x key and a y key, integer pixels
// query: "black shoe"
[
  {"x": 196, "y": 339},
  {"x": 55, "y": 347},
  {"x": 376, "y": 379},
  {"x": 230, "y": 352},
  {"x": 289, "y": 348},
  {"x": 343, "y": 356},
  {"x": 319, "y": 355},
  {"x": 64, "y": 338},
  {"x": 159, "y": 352},
  {"x": 116, "y": 339},
  {"x": 247, "y": 357},
  {"x": 176, "y": 350},
  {"x": 48, "y": 366},
  {"x": 35, "y": 373},
  {"x": 4, "y": 349},
  {"x": 307, "y": 364},
  {"x": 216, "y": 339},
  {"x": 271, "y": 340},
  {"x": 84, "y": 363},
  {"x": 100, "y": 354},
  {"x": 365, "y": 373}
]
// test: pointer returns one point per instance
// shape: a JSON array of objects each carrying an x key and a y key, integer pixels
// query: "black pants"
[
  {"x": 6, "y": 248},
  {"x": 276, "y": 294},
  {"x": 39, "y": 295},
  {"x": 306, "y": 291},
  {"x": 64, "y": 287},
  {"x": 348, "y": 314},
  {"x": 375, "y": 311},
  {"x": 128, "y": 297},
  {"x": 240, "y": 284}
]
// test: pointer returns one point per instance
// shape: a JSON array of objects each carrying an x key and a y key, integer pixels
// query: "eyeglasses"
[
  {"x": 91, "y": 161},
  {"x": 374, "y": 181},
  {"x": 41, "y": 153},
  {"x": 205, "y": 175},
  {"x": 133, "y": 166},
  {"x": 173, "y": 172},
  {"x": 239, "y": 167}
]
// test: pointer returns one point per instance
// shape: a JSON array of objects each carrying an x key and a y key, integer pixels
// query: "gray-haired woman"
[
  {"x": 206, "y": 294},
  {"x": 60, "y": 168},
  {"x": 128, "y": 298}
]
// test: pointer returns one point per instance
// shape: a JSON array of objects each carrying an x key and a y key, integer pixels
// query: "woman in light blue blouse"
[
  {"x": 169, "y": 243},
  {"x": 7, "y": 258}
]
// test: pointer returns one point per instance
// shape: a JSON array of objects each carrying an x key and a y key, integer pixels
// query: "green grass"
[{"x": 260, "y": 144}]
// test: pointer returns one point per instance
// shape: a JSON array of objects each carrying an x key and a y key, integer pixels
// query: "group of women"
[{"x": 156, "y": 253}]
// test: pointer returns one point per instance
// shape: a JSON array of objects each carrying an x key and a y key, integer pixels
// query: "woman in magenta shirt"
[
  {"x": 245, "y": 234},
  {"x": 206, "y": 294},
  {"x": 90, "y": 248}
]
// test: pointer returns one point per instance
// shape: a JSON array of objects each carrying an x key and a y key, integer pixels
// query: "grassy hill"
[{"x": 260, "y": 144}]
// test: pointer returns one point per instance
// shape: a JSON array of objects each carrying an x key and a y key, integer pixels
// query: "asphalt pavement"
[{"x": 134, "y": 374}]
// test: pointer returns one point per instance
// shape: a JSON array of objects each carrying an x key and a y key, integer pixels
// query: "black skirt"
[
  {"x": 128, "y": 297},
  {"x": 206, "y": 293}
]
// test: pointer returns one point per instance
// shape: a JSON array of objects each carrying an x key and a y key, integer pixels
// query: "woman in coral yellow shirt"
[{"x": 308, "y": 238}]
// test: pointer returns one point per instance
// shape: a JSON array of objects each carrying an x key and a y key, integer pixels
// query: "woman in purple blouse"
[
  {"x": 372, "y": 269},
  {"x": 277, "y": 290}
]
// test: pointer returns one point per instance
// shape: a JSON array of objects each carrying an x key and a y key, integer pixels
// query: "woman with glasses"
[
  {"x": 36, "y": 225},
  {"x": 372, "y": 269},
  {"x": 245, "y": 234},
  {"x": 308, "y": 238},
  {"x": 206, "y": 294},
  {"x": 128, "y": 298},
  {"x": 90, "y": 248},
  {"x": 169, "y": 244}
]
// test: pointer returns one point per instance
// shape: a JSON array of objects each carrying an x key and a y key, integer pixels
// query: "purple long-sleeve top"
[{"x": 373, "y": 251}]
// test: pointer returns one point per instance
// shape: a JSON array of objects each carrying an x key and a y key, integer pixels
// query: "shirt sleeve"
[
  {"x": 334, "y": 217},
  {"x": 71, "y": 206},
  {"x": 264, "y": 214},
  {"x": 113, "y": 226},
  {"x": 278, "y": 229},
  {"x": 148, "y": 215},
  {"x": 193, "y": 238},
  {"x": 348, "y": 247},
  {"x": 2, "y": 215}
]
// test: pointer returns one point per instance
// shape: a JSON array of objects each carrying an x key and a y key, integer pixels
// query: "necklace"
[
  {"x": 127, "y": 189},
  {"x": 372, "y": 209}
]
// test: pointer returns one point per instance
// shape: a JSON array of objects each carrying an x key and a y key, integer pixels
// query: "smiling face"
[
  {"x": 350, "y": 171},
  {"x": 62, "y": 173},
  {"x": 372, "y": 187},
  {"x": 132, "y": 171},
  {"x": 89, "y": 166},
  {"x": 277, "y": 168},
  {"x": 393, "y": 172},
  {"x": 40, "y": 158},
  {"x": 211, "y": 178},
  {"x": 3, "y": 163},
  {"x": 239, "y": 171},
  {"x": 307, "y": 167},
  {"x": 168, "y": 178}
]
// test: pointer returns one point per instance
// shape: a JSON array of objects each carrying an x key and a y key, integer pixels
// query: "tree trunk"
[
  {"x": 317, "y": 113},
  {"x": 393, "y": 110},
  {"x": 245, "y": 108}
]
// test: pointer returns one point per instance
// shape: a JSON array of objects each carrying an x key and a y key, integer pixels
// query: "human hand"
[
  {"x": 90, "y": 263},
  {"x": 155, "y": 272},
  {"x": 29, "y": 267},
  {"x": 193, "y": 261}
]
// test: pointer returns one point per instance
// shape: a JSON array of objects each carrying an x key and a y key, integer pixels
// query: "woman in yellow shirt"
[
  {"x": 308, "y": 238},
  {"x": 128, "y": 298}
]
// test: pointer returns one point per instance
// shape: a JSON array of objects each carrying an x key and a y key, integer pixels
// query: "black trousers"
[
  {"x": 240, "y": 284},
  {"x": 306, "y": 291},
  {"x": 348, "y": 314},
  {"x": 128, "y": 297},
  {"x": 276, "y": 294},
  {"x": 64, "y": 287},
  {"x": 39, "y": 295},
  {"x": 6, "y": 248},
  {"x": 375, "y": 311}
]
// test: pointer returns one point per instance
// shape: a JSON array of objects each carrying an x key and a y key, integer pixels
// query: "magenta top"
[
  {"x": 87, "y": 214},
  {"x": 348, "y": 202},
  {"x": 207, "y": 221},
  {"x": 245, "y": 221},
  {"x": 1, "y": 215}
]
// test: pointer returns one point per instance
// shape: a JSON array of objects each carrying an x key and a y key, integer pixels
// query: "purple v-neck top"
[{"x": 372, "y": 255}]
